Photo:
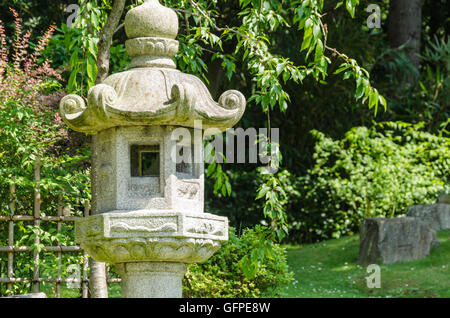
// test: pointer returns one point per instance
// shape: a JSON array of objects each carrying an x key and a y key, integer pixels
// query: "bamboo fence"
[{"x": 37, "y": 218}]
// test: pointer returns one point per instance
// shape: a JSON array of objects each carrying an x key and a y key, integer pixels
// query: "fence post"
[
  {"x": 37, "y": 218},
  {"x": 59, "y": 227},
  {"x": 85, "y": 283},
  {"x": 12, "y": 207},
  {"x": 37, "y": 223}
]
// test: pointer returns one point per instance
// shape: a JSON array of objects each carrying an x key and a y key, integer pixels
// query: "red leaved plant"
[
  {"x": 28, "y": 81},
  {"x": 22, "y": 78}
]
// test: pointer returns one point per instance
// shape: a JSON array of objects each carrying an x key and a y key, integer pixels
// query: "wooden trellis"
[{"x": 37, "y": 218}]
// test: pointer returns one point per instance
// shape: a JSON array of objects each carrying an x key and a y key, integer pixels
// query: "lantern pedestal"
[
  {"x": 151, "y": 279},
  {"x": 151, "y": 248}
]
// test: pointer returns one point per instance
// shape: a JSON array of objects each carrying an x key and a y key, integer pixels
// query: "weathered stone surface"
[
  {"x": 151, "y": 96},
  {"x": 151, "y": 19},
  {"x": 115, "y": 187},
  {"x": 444, "y": 198},
  {"x": 151, "y": 279},
  {"x": 386, "y": 241},
  {"x": 119, "y": 236},
  {"x": 436, "y": 215}
]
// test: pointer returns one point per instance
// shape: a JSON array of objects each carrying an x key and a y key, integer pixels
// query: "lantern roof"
[{"x": 152, "y": 91}]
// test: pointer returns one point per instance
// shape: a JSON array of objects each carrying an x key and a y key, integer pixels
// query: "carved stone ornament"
[
  {"x": 185, "y": 250},
  {"x": 117, "y": 237},
  {"x": 152, "y": 92}
]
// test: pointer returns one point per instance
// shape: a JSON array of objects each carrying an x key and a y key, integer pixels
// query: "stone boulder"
[
  {"x": 444, "y": 198},
  {"x": 387, "y": 241},
  {"x": 436, "y": 215}
]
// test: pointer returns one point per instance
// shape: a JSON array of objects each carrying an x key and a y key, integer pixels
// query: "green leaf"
[
  {"x": 91, "y": 68},
  {"x": 211, "y": 169},
  {"x": 286, "y": 76},
  {"x": 280, "y": 67},
  {"x": 319, "y": 51},
  {"x": 373, "y": 99},
  {"x": 308, "y": 35},
  {"x": 383, "y": 102},
  {"x": 341, "y": 69},
  {"x": 351, "y": 6},
  {"x": 359, "y": 89},
  {"x": 228, "y": 186},
  {"x": 262, "y": 192},
  {"x": 72, "y": 80}
]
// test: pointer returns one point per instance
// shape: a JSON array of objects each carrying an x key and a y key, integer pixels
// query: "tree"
[
  {"x": 98, "y": 284},
  {"x": 238, "y": 36},
  {"x": 405, "y": 25}
]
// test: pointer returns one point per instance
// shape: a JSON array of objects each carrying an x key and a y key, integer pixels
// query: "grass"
[
  {"x": 329, "y": 269},
  {"x": 114, "y": 291}
]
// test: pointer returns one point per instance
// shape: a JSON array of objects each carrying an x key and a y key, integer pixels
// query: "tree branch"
[
  {"x": 219, "y": 29},
  {"x": 119, "y": 27},
  {"x": 105, "y": 40}
]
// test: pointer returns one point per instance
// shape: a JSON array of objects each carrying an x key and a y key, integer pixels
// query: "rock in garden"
[
  {"x": 436, "y": 215},
  {"x": 444, "y": 198},
  {"x": 387, "y": 241}
]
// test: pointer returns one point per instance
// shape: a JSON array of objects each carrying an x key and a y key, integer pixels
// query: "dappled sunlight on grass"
[
  {"x": 343, "y": 268},
  {"x": 444, "y": 238}
]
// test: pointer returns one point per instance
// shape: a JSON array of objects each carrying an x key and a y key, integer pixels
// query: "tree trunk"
[
  {"x": 105, "y": 40},
  {"x": 405, "y": 25},
  {"x": 98, "y": 284}
]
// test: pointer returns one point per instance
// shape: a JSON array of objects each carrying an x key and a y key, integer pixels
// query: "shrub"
[
  {"x": 372, "y": 172},
  {"x": 31, "y": 128},
  {"x": 30, "y": 125},
  {"x": 227, "y": 273}
]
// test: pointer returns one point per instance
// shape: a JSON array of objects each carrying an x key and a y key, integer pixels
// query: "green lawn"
[
  {"x": 329, "y": 269},
  {"x": 114, "y": 291}
]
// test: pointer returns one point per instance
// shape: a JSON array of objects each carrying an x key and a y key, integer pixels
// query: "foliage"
[
  {"x": 245, "y": 51},
  {"x": 371, "y": 172},
  {"x": 239, "y": 207},
  {"x": 426, "y": 100},
  {"x": 31, "y": 131},
  {"x": 274, "y": 193},
  {"x": 30, "y": 124},
  {"x": 48, "y": 263},
  {"x": 243, "y": 211},
  {"x": 36, "y": 15},
  {"x": 227, "y": 274},
  {"x": 435, "y": 85},
  {"x": 247, "y": 47},
  {"x": 81, "y": 42}
]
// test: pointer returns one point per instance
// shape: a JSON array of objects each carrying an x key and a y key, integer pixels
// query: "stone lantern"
[{"x": 148, "y": 206}]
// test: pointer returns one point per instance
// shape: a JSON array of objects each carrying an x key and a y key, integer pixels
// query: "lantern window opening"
[{"x": 145, "y": 160}]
